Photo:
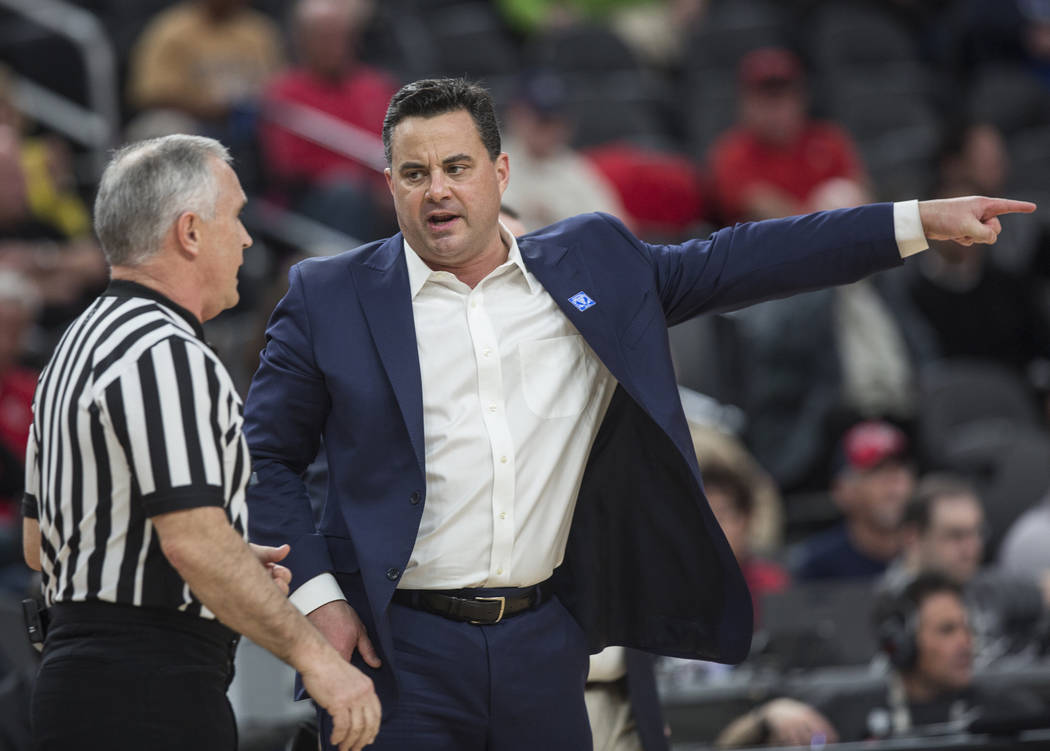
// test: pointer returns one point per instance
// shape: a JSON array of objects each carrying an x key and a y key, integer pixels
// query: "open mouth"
[{"x": 441, "y": 219}]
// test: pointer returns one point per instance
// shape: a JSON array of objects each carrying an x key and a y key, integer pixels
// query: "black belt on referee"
[{"x": 479, "y": 609}]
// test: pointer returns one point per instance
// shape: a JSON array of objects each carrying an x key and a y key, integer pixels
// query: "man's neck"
[
  {"x": 472, "y": 273},
  {"x": 183, "y": 295}
]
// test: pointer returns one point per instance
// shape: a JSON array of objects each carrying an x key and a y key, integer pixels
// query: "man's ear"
[
  {"x": 503, "y": 172},
  {"x": 188, "y": 233}
]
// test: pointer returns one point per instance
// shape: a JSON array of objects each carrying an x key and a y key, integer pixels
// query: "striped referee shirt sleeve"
[
  {"x": 171, "y": 417},
  {"x": 30, "y": 504}
]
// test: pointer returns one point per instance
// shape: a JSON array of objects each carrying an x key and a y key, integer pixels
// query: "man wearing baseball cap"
[
  {"x": 777, "y": 160},
  {"x": 872, "y": 484}
]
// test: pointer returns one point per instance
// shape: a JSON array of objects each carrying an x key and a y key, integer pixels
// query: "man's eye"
[{"x": 456, "y": 169}]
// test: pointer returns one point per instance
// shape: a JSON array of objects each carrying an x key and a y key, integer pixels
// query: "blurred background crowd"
[{"x": 852, "y": 440}]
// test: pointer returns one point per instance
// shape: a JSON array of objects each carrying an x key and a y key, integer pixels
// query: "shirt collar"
[
  {"x": 419, "y": 273},
  {"x": 128, "y": 288}
]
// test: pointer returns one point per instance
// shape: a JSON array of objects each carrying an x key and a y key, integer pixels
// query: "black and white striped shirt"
[{"x": 134, "y": 416}]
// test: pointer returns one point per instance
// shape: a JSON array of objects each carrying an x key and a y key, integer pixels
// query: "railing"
[
  {"x": 338, "y": 136},
  {"x": 97, "y": 125}
]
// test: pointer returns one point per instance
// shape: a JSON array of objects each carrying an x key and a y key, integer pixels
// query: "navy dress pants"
[{"x": 516, "y": 685}]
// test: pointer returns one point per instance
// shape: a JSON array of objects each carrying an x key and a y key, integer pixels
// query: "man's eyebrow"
[
  {"x": 457, "y": 158},
  {"x": 409, "y": 165}
]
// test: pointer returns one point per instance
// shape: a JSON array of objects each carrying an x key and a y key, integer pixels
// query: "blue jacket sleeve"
[
  {"x": 284, "y": 415},
  {"x": 749, "y": 263}
]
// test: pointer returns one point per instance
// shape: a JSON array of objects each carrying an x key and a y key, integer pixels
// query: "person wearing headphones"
[{"x": 926, "y": 635}]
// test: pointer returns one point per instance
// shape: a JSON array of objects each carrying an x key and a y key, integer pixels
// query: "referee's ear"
[{"x": 188, "y": 233}]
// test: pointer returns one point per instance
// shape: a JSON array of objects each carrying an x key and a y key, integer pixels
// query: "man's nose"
[{"x": 438, "y": 187}]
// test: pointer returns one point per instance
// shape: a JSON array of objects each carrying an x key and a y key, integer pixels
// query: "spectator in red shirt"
[
  {"x": 331, "y": 94},
  {"x": 773, "y": 161}
]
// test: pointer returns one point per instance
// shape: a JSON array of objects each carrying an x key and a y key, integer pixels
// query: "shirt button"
[
  {"x": 503, "y": 460},
  {"x": 392, "y": 574},
  {"x": 415, "y": 498},
  {"x": 473, "y": 303},
  {"x": 499, "y": 571},
  {"x": 492, "y": 408},
  {"x": 486, "y": 352},
  {"x": 502, "y": 514}
]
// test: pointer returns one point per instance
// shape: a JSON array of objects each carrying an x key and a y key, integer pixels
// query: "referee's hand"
[
  {"x": 348, "y": 696},
  {"x": 269, "y": 556}
]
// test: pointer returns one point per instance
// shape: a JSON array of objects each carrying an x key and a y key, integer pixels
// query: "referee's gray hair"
[{"x": 146, "y": 186}]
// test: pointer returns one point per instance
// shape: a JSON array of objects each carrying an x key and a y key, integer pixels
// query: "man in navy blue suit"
[{"x": 512, "y": 483}]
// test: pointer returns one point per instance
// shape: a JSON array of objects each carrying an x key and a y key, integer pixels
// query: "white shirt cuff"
[
  {"x": 908, "y": 228},
  {"x": 320, "y": 590}
]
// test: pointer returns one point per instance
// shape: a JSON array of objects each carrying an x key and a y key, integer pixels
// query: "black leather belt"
[{"x": 481, "y": 607}]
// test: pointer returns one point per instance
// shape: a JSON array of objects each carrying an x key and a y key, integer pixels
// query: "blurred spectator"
[
  {"x": 925, "y": 632},
  {"x": 1035, "y": 36},
  {"x": 943, "y": 531},
  {"x": 329, "y": 80},
  {"x": 549, "y": 181},
  {"x": 873, "y": 483},
  {"x": 730, "y": 496},
  {"x": 18, "y": 307},
  {"x": 50, "y": 186},
  {"x": 974, "y": 161},
  {"x": 977, "y": 310},
  {"x": 927, "y": 635},
  {"x": 204, "y": 58},
  {"x": 776, "y": 157},
  {"x": 662, "y": 195},
  {"x": 715, "y": 442}
]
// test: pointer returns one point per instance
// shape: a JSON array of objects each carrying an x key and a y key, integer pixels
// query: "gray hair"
[{"x": 146, "y": 186}]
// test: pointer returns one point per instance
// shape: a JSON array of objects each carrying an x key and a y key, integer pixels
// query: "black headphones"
[{"x": 897, "y": 633}]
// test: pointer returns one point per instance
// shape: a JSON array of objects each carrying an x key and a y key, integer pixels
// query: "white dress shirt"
[{"x": 512, "y": 401}]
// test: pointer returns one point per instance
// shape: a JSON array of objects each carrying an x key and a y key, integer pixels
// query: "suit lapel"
[
  {"x": 382, "y": 286},
  {"x": 562, "y": 273}
]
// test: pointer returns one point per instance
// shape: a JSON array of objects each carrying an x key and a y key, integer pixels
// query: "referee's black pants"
[{"x": 116, "y": 677}]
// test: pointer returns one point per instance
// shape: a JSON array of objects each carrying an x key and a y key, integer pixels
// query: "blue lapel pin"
[{"x": 582, "y": 301}]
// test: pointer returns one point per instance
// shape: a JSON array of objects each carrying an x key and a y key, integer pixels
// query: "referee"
[{"x": 136, "y": 471}]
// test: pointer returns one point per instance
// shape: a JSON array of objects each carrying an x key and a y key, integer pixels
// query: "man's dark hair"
[
  {"x": 931, "y": 489},
  {"x": 438, "y": 96},
  {"x": 719, "y": 476},
  {"x": 908, "y": 600}
]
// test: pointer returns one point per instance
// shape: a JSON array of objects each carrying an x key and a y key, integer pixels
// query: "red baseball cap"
[
  {"x": 770, "y": 66},
  {"x": 871, "y": 443}
]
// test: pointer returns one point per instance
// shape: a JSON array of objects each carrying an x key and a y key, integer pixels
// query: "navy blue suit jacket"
[{"x": 646, "y": 563}]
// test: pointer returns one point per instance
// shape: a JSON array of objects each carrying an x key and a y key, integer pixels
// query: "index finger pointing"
[{"x": 997, "y": 206}]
